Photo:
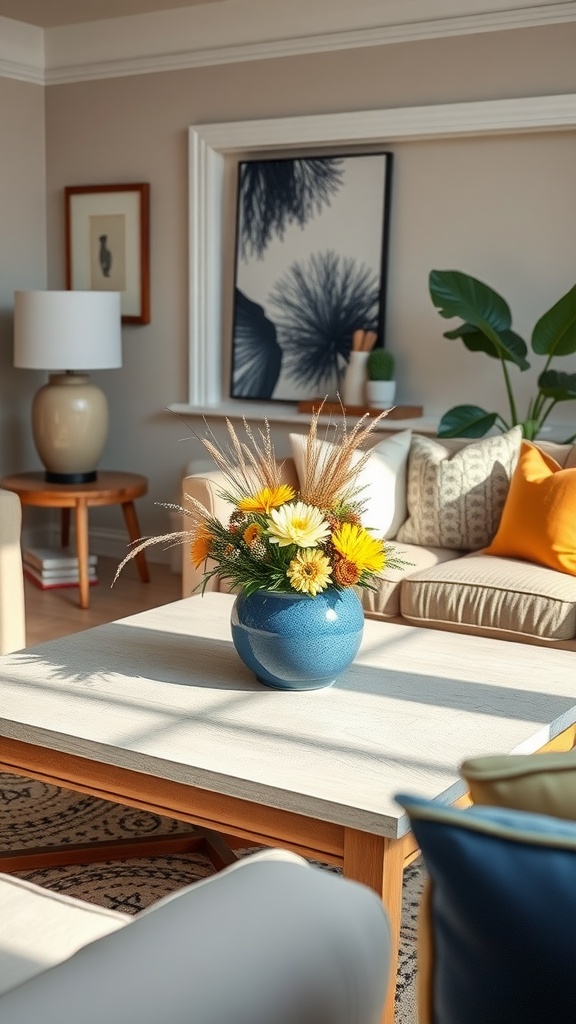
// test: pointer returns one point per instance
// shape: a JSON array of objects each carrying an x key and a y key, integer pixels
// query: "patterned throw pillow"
[{"x": 455, "y": 499}]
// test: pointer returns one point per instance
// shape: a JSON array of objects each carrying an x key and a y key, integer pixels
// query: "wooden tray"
[{"x": 398, "y": 412}]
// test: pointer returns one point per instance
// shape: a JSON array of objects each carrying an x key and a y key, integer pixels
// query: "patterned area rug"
[{"x": 35, "y": 814}]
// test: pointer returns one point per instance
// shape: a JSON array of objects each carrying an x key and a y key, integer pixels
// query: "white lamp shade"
[{"x": 69, "y": 330}]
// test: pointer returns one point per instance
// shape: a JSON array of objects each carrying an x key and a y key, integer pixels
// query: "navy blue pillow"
[{"x": 503, "y": 914}]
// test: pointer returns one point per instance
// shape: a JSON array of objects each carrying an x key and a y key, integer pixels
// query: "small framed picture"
[{"x": 107, "y": 244}]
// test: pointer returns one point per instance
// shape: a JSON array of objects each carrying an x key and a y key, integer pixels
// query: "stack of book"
[{"x": 53, "y": 567}]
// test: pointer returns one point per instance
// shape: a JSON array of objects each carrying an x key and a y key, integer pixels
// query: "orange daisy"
[{"x": 201, "y": 546}]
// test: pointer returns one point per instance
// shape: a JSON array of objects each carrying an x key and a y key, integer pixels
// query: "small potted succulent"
[{"x": 380, "y": 386}]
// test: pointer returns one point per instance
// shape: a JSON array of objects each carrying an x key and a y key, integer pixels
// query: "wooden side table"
[{"x": 111, "y": 488}]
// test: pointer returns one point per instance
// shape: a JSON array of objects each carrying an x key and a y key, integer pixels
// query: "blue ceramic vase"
[{"x": 294, "y": 641}]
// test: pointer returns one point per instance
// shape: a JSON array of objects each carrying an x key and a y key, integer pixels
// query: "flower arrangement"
[{"x": 280, "y": 539}]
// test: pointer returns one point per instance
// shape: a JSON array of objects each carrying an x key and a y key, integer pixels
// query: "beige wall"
[
  {"x": 22, "y": 254},
  {"x": 501, "y": 208}
]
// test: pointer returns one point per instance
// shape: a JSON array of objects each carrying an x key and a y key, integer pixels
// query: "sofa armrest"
[
  {"x": 12, "y": 618},
  {"x": 266, "y": 940},
  {"x": 205, "y": 488}
]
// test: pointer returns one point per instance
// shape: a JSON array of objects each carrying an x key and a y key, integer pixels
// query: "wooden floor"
[{"x": 54, "y": 613}]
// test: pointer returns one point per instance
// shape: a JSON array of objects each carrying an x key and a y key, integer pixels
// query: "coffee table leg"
[
  {"x": 131, "y": 520},
  {"x": 379, "y": 863},
  {"x": 82, "y": 551}
]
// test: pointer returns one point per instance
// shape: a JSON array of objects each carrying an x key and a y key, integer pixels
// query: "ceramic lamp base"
[{"x": 70, "y": 425}]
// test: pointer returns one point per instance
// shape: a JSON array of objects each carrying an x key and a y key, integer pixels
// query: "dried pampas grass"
[{"x": 330, "y": 471}]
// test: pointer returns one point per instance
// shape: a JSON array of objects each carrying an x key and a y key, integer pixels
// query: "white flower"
[{"x": 297, "y": 523}]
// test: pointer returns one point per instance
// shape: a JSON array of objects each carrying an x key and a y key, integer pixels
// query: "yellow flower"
[
  {"x": 299, "y": 524},
  {"x": 356, "y": 545},
  {"x": 309, "y": 572},
  {"x": 251, "y": 533},
  {"x": 267, "y": 499},
  {"x": 201, "y": 546}
]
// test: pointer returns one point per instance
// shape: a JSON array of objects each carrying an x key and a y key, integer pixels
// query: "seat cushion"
[
  {"x": 455, "y": 499},
  {"x": 539, "y": 518},
  {"x": 487, "y": 593},
  {"x": 385, "y": 599},
  {"x": 496, "y": 933},
  {"x": 39, "y": 928}
]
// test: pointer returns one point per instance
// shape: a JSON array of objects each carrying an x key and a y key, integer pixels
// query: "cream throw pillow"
[
  {"x": 455, "y": 499},
  {"x": 381, "y": 482}
]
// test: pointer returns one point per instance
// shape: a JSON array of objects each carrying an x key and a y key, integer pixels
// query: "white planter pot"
[{"x": 380, "y": 393}]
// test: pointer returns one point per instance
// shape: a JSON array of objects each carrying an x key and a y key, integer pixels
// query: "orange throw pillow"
[{"x": 539, "y": 517}]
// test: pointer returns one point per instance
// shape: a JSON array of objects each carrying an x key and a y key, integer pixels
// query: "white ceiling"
[
  {"x": 51, "y": 13},
  {"x": 54, "y": 13}
]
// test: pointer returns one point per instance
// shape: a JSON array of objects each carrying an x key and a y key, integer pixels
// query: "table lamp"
[{"x": 68, "y": 331}]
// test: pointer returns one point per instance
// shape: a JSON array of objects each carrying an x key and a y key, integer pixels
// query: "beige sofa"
[
  {"x": 12, "y": 623},
  {"x": 461, "y": 590}
]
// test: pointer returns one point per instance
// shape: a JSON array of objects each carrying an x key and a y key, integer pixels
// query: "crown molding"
[
  {"x": 21, "y": 51},
  {"x": 229, "y": 32}
]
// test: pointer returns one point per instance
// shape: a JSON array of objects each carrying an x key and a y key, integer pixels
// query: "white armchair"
[
  {"x": 12, "y": 621},
  {"x": 270, "y": 940}
]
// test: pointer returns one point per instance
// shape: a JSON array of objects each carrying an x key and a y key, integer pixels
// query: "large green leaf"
[
  {"x": 457, "y": 294},
  {"x": 466, "y": 421},
  {"x": 561, "y": 386},
  {"x": 555, "y": 332},
  {"x": 512, "y": 347}
]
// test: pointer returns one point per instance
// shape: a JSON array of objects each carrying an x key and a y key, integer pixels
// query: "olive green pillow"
[{"x": 541, "y": 783}]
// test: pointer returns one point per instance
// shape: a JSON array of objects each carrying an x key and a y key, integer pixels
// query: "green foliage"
[
  {"x": 487, "y": 327},
  {"x": 380, "y": 365}
]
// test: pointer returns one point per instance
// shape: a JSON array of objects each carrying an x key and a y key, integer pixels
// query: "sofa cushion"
[
  {"x": 385, "y": 599},
  {"x": 381, "y": 480},
  {"x": 496, "y": 932},
  {"x": 455, "y": 499},
  {"x": 487, "y": 593},
  {"x": 542, "y": 783},
  {"x": 539, "y": 517},
  {"x": 39, "y": 928},
  {"x": 563, "y": 454}
]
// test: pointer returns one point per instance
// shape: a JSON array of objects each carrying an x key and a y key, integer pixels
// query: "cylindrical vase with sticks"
[{"x": 355, "y": 377}]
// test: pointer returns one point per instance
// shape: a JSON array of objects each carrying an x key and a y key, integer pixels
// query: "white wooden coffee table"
[{"x": 157, "y": 711}]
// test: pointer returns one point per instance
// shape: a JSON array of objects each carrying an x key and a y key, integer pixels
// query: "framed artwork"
[
  {"x": 310, "y": 269},
  {"x": 107, "y": 244}
]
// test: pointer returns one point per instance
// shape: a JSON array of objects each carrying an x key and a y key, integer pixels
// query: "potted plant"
[
  {"x": 487, "y": 327},
  {"x": 296, "y": 556},
  {"x": 380, "y": 386}
]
